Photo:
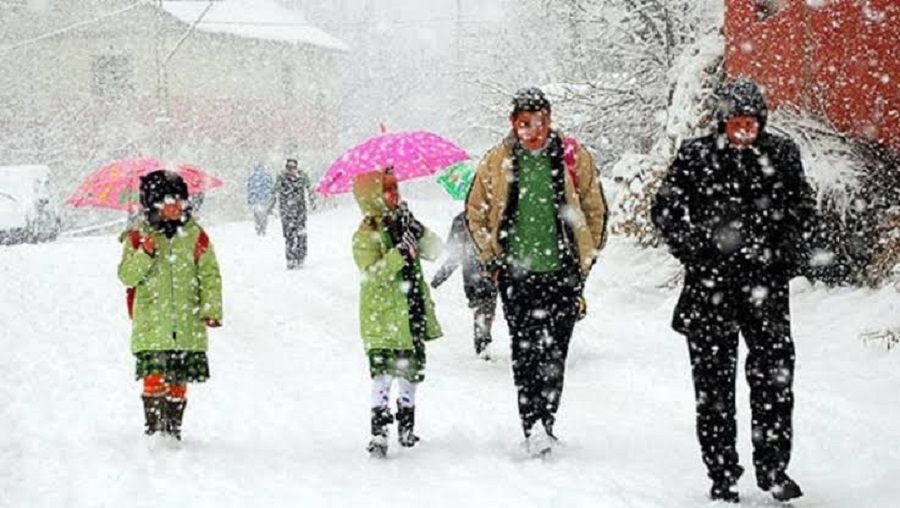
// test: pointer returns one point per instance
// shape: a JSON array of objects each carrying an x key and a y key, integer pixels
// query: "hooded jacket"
[
  {"x": 174, "y": 293},
  {"x": 384, "y": 307},
  {"x": 733, "y": 216}
]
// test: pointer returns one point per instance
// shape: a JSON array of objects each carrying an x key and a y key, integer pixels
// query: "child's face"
[
  {"x": 391, "y": 191},
  {"x": 392, "y": 197},
  {"x": 171, "y": 209}
]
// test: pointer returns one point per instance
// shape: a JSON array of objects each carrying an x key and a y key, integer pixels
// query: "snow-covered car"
[{"x": 27, "y": 211}]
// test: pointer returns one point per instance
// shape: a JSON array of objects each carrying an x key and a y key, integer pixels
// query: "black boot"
[
  {"x": 174, "y": 415},
  {"x": 381, "y": 418},
  {"x": 724, "y": 487},
  {"x": 406, "y": 420},
  {"x": 781, "y": 485},
  {"x": 154, "y": 414}
]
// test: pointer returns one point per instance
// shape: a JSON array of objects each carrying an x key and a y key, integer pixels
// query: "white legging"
[{"x": 381, "y": 392}]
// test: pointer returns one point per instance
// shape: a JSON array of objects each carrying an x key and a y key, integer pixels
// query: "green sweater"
[{"x": 533, "y": 239}]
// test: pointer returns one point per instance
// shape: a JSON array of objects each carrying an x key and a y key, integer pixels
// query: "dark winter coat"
[
  {"x": 461, "y": 251},
  {"x": 292, "y": 193},
  {"x": 734, "y": 218}
]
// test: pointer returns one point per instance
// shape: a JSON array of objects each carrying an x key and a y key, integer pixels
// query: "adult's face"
[
  {"x": 742, "y": 131},
  {"x": 532, "y": 128}
]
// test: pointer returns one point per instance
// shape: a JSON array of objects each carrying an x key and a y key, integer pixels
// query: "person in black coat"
[
  {"x": 481, "y": 291},
  {"x": 736, "y": 210},
  {"x": 292, "y": 193}
]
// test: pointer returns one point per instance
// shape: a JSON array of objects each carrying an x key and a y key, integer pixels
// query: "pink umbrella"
[
  {"x": 116, "y": 185},
  {"x": 412, "y": 154},
  {"x": 197, "y": 181}
]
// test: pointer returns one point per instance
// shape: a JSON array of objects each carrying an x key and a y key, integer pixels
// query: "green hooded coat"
[
  {"x": 174, "y": 293},
  {"x": 383, "y": 306}
]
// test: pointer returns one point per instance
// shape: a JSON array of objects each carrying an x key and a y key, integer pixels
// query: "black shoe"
[
  {"x": 174, "y": 416},
  {"x": 406, "y": 421},
  {"x": 781, "y": 485},
  {"x": 154, "y": 414},
  {"x": 725, "y": 489}
]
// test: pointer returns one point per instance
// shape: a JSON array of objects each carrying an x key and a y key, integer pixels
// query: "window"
[
  {"x": 765, "y": 9},
  {"x": 112, "y": 76}
]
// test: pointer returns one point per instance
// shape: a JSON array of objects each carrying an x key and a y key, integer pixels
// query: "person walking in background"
[
  {"x": 396, "y": 314},
  {"x": 292, "y": 193},
  {"x": 260, "y": 186},
  {"x": 175, "y": 293},
  {"x": 736, "y": 210},
  {"x": 537, "y": 216},
  {"x": 481, "y": 291}
]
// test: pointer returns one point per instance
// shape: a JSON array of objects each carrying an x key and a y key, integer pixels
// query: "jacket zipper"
[{"x": 172, "y": 301}]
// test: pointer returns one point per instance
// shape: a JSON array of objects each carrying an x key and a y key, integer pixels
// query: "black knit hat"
[
  {"x": 529, "y": 99},
  {"x": 741, "y": 97},
  {"x": 158, "y": 185}
]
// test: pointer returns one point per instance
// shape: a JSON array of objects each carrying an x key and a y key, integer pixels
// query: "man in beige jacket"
[{"x": 537, "y": 215}]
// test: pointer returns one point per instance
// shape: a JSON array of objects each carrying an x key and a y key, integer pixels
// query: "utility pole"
[{"x": 162, "y": 93}]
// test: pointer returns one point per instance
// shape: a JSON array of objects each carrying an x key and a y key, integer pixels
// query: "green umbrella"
[{"x": 457, "y": 179}]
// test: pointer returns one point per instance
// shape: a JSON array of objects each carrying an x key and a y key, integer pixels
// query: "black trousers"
[
  {"x": 294, "y": 231},
  {"x": 485, "y": 310},
  {"x": 761, "y": 313},
  {"x": 540, "y": 309}
]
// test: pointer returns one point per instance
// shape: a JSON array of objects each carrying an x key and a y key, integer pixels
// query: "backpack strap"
[
  {"x": 134, "y": 238},
  {"x": 201, "y": 246},
  {"x": 570, "y": 148}
]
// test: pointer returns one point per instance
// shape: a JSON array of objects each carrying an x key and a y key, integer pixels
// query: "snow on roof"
[{"x": 256, "y": 19}]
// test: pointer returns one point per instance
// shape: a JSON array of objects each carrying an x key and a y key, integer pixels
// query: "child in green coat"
[
  {"x": 175, "y": 293},
  {"x": 396, "y": 311}
]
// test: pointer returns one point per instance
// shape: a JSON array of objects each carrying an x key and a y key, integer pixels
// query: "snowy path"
[{"x": 284, "y": 420}]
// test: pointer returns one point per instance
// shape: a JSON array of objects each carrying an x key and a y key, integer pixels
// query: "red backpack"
[{"x": 135, "y": 238}]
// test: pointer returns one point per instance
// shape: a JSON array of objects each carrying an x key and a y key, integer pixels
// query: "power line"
[{"x": 69, "y": 28}]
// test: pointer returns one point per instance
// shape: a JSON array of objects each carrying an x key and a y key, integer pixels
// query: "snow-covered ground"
[{"x": 284, "y": 419}]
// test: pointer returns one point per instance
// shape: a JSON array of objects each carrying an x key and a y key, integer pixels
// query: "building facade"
[
  {"x": 839, "y": 59},
  {"x": 91, "y": 81}
]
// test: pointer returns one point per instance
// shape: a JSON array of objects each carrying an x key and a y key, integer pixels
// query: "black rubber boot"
[
  {"x": 381, "y": 418},
  {"x": 406, "y": 421},
  {"x": 154, "y": 414},
  {"x": 174, "y": 415}
]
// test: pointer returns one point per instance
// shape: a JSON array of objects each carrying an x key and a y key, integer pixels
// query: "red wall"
[{"x": 840, "y": 61}]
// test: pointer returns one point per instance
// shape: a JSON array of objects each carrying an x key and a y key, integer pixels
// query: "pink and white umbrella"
[
  {"x": 411, "y": 154},
  {"x": 116, "y": 185}
]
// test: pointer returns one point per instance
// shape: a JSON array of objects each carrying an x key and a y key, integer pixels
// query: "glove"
[
  {"x": 492, "y": 269},
  {"x": 408, "y": 245},
  {"x": 148, "y": 244},
  {"x": 211, "y": 323},
  {"x": 582, "y": 308}
]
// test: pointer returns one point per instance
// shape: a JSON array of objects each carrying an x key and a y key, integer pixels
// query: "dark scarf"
[{"x": 167, "y": 227}]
